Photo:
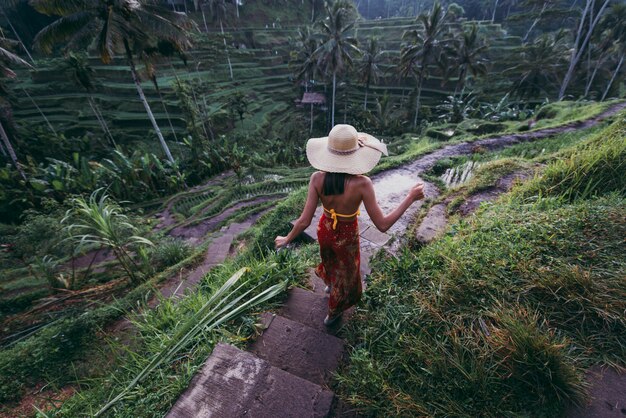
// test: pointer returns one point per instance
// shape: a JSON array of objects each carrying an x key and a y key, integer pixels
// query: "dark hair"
[{"x": 334, "y": 183}]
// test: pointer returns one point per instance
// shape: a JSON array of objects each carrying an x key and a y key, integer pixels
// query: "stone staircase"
[{"x": 284, "y": 373}]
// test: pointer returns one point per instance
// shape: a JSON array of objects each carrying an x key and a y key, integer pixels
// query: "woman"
[{"x": 342, "y": 157}]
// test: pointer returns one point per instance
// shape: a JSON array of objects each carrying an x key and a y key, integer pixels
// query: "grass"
[
  {"x": 594, "y": 167},
  {"x": 498, "y": 318},
  {"x": 503, "y": 315},
  {"x": 47, "y": 354},
  {"x": 161, "y": 327}
]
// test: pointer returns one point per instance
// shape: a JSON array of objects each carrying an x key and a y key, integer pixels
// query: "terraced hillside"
[{"x": 260, "y": 63}]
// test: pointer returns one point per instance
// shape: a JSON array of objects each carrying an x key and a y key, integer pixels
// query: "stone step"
[
  {"x": 298, "y": 349},
  {"x": 307, "y": 308},
  {"x": 235, "y": 383},
  {"x": 218, "y": 249},
  {"x": 433, "y": 225},
  {"x": 310, "y": 309},
  {"x": 237, "y": 228}
]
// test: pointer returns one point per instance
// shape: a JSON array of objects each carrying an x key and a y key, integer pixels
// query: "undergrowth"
[{"x": 155, "y": 395}]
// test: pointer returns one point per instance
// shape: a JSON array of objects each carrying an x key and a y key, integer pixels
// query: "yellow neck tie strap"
[{"x": 334, "y": 215}]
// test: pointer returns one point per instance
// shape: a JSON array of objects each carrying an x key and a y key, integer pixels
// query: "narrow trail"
[
  {"x": 286, "y": 372},
  {"x": 392, "y": 185}
]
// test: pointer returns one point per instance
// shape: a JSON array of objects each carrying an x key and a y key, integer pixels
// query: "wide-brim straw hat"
[{"x": 345, "y": 150}]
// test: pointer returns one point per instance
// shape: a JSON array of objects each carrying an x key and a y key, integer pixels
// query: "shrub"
[
  {"x": 439, "y": 134},
  {"x": 168, "y": 252},
  {"x": 39, "y": 235},
  {"x": 487, "y": 128},
  {"x": 546, "y": 112}
]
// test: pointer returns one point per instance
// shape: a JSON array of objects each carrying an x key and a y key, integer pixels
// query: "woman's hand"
[
  {"x": 417, "y": 192},
  {"x": 280, "y": 242}
]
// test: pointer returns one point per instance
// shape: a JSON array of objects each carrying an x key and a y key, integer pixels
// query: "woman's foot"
[{"x": 328, "y": 321}]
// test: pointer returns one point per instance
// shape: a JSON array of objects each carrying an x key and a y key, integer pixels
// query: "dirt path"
[{"x": 392, "y": 185}]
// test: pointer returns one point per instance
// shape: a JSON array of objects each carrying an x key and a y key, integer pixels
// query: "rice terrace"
[{"x": 312, "y": 208}]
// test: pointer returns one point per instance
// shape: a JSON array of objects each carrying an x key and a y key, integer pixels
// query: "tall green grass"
[
  {"x": 592, "y": 168},
  {"x": 498, "y": 318},
  {"x": 502, "y": 315},
  {"x": 174, "y": 340}
]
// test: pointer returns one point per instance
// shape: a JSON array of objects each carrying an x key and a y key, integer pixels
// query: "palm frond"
[
  {"x": 61, "y": 30},
  {"x": 62, "y": 7},
  {"x": 8, "y": 57}
]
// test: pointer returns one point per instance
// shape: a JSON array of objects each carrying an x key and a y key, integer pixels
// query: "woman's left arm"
[{"x": 306, "y": 217}]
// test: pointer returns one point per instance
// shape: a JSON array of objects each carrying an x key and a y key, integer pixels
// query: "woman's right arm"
[{"x": 381, "y": 221}]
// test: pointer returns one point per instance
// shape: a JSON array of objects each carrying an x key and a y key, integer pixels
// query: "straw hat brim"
[{"x": 361, "y": 161}]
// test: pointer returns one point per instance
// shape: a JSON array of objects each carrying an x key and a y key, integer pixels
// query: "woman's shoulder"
[{"x": 362, "y": 179}]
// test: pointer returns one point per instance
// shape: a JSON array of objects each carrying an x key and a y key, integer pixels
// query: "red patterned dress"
[{"x": 341, "y": 263}]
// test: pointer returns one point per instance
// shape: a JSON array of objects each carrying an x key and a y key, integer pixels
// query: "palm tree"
[
  {"x": 540, "y": 66},
  {"x": 82, "y": 74},
  {"x": 422, "y": 48},
  {"x": 113, "y": 27},
  {"x": 335, "y": 53},
  {"x": 218, "y": 12},
  {"x": 369, "y": 70},
  {"x": 7, "y": 59},
  {"x": 10, "y": 4},
  {"x": 305, "y": 61},
  {"x": 469, "y": 53}
]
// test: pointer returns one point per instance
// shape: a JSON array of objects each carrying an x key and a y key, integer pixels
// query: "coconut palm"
[
  {"x": 540, "y": 66},
  {"x": 218, "y": 13},
  {"x": 11, "y": 4},
  {"x": 8, "y": 59},
  {"x": 469, "y": 53},
  {"x": 369, "y": 70},
  {"x": 304, "y": 61},
  {"x": 82, "y": 74},
  {"x": 120, "y": 26},
  {"x": 422, "y": 48},
  {"x": 337, "y": 49}
]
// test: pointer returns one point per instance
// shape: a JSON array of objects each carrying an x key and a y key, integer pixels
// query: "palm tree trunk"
[
  {"x": 578, "y": 49},
  {"x": 608, "y": 87},
  {"x": 17, "y": 36},
  {"x": 493, "y": 15},
  {"x": 11, "y": 151},
  {"x": 101, "y": 121},
  {"x": 332, "y": 118},
  {"x": 365, "y": 100},
  {"x": 230, "y": 67},
  {"x": 167, "y": 115},
  {"x": 146, "y": 105},
  {"x": 206, "y": 27},
  {"x": 417, "y": 100},
  {"x": 599, "y": 63},
  {"x": 537, "y": 19},
  {"x": 2, "y": 151},
  {"x": 40, "y": 111},
  {"x": 460, "y": 81},
  {"x": 311, "y": 128}
]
